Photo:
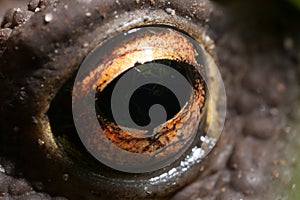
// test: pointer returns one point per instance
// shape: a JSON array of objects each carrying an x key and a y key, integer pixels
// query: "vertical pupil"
[{"x": 151, "y": 104}]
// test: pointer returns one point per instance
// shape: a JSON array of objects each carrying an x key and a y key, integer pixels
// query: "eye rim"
[
  {"x": 49, "y": 145},
  {"x": 119, "y": 57}
]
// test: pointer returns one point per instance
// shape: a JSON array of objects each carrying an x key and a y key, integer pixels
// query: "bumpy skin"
[{"x": 258, "y": 66}]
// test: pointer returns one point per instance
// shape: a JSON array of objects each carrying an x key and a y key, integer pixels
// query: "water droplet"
[
  {"x": 148, "y": 192},
  {"x": 85, "y": 45},
  {"x": 34, "y": 120},
  {"x": 41, "y": 142},
  {"x": 48, "y": 17},
  {"x": 23, "y": 95},
  {"x": 2, "y": 169},
  {"x": 66, "y": 177},
  {"x": 88, "y": 14},
  {"x": 170, "y": 11}
]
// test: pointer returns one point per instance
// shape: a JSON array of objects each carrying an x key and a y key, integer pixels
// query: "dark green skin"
[{"x": 245, "y": 50}]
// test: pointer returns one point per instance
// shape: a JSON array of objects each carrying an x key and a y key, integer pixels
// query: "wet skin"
[{"x": 259, "y": 74}]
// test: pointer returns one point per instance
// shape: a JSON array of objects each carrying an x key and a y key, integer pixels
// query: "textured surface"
[{"x": 259, "y": 66}]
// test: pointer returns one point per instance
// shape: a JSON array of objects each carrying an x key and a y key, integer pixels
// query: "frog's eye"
[
  {"x": 142, "y": 101},
  {"x": 123, "y": 97}
]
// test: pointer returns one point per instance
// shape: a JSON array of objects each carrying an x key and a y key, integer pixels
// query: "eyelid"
[{"x": 78, "y": 20}]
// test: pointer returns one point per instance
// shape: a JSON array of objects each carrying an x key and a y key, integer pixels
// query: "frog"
[{"x": 255, "y": 51}]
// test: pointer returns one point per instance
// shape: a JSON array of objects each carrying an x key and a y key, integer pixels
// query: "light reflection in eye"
[{"x": 162, "y": 73}]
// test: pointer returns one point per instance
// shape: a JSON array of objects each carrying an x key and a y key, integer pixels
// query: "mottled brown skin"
[{"x": 247, "y": 54}]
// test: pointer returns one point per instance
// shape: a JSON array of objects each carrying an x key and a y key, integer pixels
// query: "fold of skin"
[{"x": 256, "y": 51}]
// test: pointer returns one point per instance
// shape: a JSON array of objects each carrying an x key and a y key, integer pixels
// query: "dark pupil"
[
  {"x": 62, "y": 122},
  {"x": 145, "y": 97}
]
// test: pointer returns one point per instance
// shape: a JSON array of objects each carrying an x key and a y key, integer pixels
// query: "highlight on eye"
[{"x": 147, "y": 98}]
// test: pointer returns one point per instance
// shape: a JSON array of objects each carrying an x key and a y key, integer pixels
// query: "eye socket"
[
  {"x": 58, "y": 142},
  {"x": 117, "y": 98}
]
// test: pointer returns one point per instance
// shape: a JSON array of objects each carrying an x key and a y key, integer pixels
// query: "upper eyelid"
[{"x": 70, "y": 21}]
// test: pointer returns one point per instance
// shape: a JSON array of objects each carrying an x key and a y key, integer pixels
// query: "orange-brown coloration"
[
  {"x": 165, "y": 133},
  {"x": 171, "y": 135},
  {"x": 168, "y": 45}
]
